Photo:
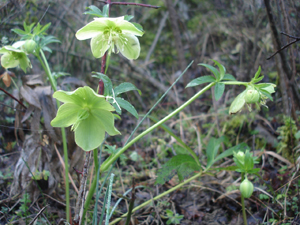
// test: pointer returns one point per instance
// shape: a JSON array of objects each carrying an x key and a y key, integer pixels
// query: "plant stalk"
[
  {"x": 107, "y": 163},
  {"x": 243, "y": 203},
  {"x": 47, "y": 70}
]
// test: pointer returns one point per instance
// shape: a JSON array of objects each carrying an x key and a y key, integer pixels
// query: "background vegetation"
[{"x": 239, "y": 34}]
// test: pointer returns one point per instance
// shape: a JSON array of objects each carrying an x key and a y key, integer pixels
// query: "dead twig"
[
  {"x": 37, "y": 215},
  {"x": 287, "y": 45}
]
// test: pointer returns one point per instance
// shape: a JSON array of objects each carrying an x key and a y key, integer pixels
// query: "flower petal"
[
  {"x": 106, "y": 119},
  {"x": 129, "y": 28},
  {"x": 91, "y": 30},
  {"x": 9, "y": 61},
  {"x": 67, "y": 115},
  {"x": 89, "y": 134},
  {"x": 99, "y": 46},
  {"x": 132, "y": 49}
]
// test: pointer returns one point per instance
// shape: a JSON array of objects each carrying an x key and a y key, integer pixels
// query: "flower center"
[{"x": 112, "y": 35}]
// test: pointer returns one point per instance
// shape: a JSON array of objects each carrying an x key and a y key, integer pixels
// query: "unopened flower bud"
[
  {"x": 29, "y": 46},
  {"x": 246, "y": 188},
  {"x": 252, "y": 96}
]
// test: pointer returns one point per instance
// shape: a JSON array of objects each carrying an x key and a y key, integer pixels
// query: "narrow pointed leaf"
[
  {"x": 219, "y": 90},
  {"x": 201, "y": 80},
  {"x": 228, "y": 77},
  {"x": 125, "y": 87},
  {"x": 212, "y": 69},
  {"x": 127, "y": 106},
  {"x": 222, "y": 69}
]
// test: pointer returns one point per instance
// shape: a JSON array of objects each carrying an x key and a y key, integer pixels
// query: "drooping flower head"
[
  {"x": 112, "y": 34},
  {"x": 13, "y": 57},
  {"x": 88, "y": 113}
]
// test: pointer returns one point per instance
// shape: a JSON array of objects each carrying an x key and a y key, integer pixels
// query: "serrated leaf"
[
  {"x": 201, "y": 80},
  {"x": 127, "y": 106},
  {"x": 222, "y": 69},
  {"x": 219, "y": 90},
  {"x": 257, "y": 73},
  {"x": 128, "y": 17},
  {"x": 107, "y": 83},
  {"x": 183, "y": 165},
  {"x": 256, "y": 80},
  {"x": 125, "y": 87},
  {"x": 94, "y": 11},
  {"x": 106, "y": 10},
  {"x": 212, "y": 69},
  {"x": 19, "y": 31},
  {"x": 228, "y": 76}
]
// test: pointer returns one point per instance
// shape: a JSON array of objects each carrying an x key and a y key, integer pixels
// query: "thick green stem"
[
  {"x": 243, "y": 203},
  {"x": 107, "y": 163},
  {"x": 46, "y": 67},
  {"x": 236, "y": 83},
  {"x": 159, "y": 196}
]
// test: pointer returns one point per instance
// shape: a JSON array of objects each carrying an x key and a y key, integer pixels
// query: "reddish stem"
[
  {"x": 13, "y": 97},
  {"x": 131, "y": 3}
]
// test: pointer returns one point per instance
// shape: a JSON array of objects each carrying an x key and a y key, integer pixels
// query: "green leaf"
[
  {"x": 138, "y": 26},
  {"x": 128, "y": 17},
  {"x": 219, "y": 90},
  {"x": 106, "y": 10},
  {"x": 201, "y": 80},
  {"x": 266, "y": 93},
  {"x": 182, "y": 165},
  {"x": 212, "y": 69},
  {"x": 228, "y": 76},
  {"x": 229, "y": 152},
  {"x": 257, "y": 73},
  {"x": 94, "y": 11},
  {"x": 212, "y": 150},
  {"x": 44, "y": 28},
  {"x": 222, "y": 69},
  {"x": 19, "y": 32},
  {"x": 108, "y": 87},
  {"x": 125, "y": 87},
  {"x": 127, "y": 106},
  {"x": 238, "y": 103}
]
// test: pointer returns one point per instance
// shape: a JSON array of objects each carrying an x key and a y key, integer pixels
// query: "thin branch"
[
  {"x": 13, "y": 98},
  {"x": 284, "y": 47},
  {"x": 40, "y": 212},
  {"x": 132, "y": 3}
]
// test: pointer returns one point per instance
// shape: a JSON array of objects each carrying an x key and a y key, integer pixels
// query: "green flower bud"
[
  {"x": 29, "y": 46},
  {"x": 252, "y": 96},
  {"x": 246, "y": 188},
  {"x": 240, "y": 156}
]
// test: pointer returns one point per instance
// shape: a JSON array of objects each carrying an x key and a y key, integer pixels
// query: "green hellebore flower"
[
  {"x": 240, "y": 156},
  {"x": 252, "y": 96},
  {"x": 88, "y": 113},
  {"x": 13, "y": 57},
  {"x": 108, "y": 33}
]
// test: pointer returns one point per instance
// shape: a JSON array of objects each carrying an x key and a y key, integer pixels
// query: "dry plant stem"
[
  {"x": 80, "y": 200},
  {"x": 131, "y": 3},
  {"x": 13, "y": 98}
]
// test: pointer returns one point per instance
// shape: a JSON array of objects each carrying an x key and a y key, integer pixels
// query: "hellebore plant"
[
  {"x": 245, "y": 164},
  {"x": 88, "y": 113},
  {"x": 112, "y": 35}
]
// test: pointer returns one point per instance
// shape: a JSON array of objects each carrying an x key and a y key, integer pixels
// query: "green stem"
[
  {"x": 243, "y": 203},
  {"x": 159, "y": 196},
  {"x": 235, "y": 83},
  {"x": 46, "y": 67},
  {"x": 108, "y": 162}
]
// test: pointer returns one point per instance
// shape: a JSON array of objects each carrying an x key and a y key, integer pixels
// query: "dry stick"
[
  {"x": 63, "y": 164},
  {"x": 80, "y": 201},
  {"x": 131, "y": 3},
  {"x": 42, "y": 210}
]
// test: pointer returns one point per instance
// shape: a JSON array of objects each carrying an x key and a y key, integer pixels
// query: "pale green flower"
[
  {"x": 13, "y": 57},
  {"x": 112, "y": 35},
  {"x": 88, "y": 113}
]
